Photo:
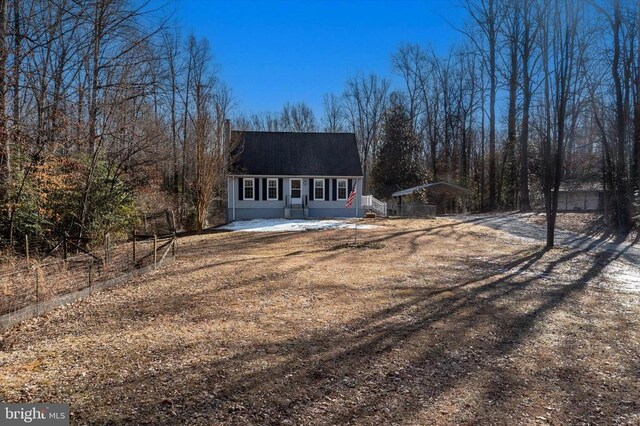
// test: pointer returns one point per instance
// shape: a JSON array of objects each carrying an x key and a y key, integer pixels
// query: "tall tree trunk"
[
  {"x": 95, "y": 74},
  {"x": 636, "y": 113},
  {"x": 174, "y": 133},
  {"x": 5, "y": 150},
  {"x": 93, "y": 110},
  {"x": 183, "y": 195},
  {"x": 17, "y": 61},
  {"x": 493, "y": 87},
  {"x": 525, "y": 204},
  {"x": 483, "y": 99},
  {"x": 546, "y": 138},
  {"x": 511, "y": 128},
  {"x": 622, "y": 200},
  {"x": 566, "y": 56}
]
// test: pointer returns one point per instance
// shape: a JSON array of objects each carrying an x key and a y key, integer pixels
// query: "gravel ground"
[{"x": 424, "y": 322}]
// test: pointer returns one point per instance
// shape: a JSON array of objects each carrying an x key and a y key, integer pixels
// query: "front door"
[{"x": 296, "y": 192}]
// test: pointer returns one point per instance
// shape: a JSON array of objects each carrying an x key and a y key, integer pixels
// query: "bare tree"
[
  {"x": 411, "y": 62},
  {"x": 171, "y": 45},
  {"x": 5, "y": 150},
  {"x": 635, "y": 170},
  {"x": 526, "y": 45},
  {"x": 487, "y": 17},
  {"x": 298, "y": 118},
  {"x": 561, "y": 56},
  {"x": 623, "y": 218},
  {"x": 508, "y": 176},
  {"x": 333, "y": 117},
  {"x": 432, "y": 99},
  {"x": 365, "y": 102}
]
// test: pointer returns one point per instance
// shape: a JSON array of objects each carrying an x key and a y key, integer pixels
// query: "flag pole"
[
  {"x": 355, "y": 234},
  {"x": 353, "y": 196}
]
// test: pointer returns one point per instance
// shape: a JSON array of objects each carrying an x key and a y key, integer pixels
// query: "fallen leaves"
[{"x": 443, "y": 323}]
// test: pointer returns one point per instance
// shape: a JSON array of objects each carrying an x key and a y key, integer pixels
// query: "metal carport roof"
[{"x": 438, "y": 187}]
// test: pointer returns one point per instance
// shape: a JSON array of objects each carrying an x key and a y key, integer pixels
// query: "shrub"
[{"x": 48, "y": 201}]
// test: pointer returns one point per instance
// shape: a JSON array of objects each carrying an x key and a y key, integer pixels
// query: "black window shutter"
[
  {"x": 326, "y": 189},
  {"x": 335, "y": 189},
  {"x": 264, "y": 188},
  {"x": 241, "y": 189},
  {"x": 312, "y": 189},
  {"x": 280, "y": 191},
  {"x": 256, "y": 194},
  {"x": 350, "y": 184}
]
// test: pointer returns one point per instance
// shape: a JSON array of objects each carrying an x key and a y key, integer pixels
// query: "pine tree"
[{"x": 398, "y": 164}]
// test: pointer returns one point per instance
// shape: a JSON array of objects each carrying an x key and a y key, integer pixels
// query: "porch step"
[
  {"x": 370, "y": 203},
  {"x": 297, "y": 213}
]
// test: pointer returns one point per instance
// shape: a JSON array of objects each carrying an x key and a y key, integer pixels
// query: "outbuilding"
[
  {"x": 581, "y": 197},
  {"x": 430, "y": 199}
]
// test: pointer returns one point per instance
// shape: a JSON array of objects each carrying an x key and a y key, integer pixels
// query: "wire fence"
[
  {"x": 70, "y": 267},
  {"x": 412, "y": 210}
]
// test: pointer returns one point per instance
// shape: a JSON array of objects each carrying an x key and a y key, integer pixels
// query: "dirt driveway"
[
  {"x": 519, "y": 225},
  {"x": 437, "y": 322}
]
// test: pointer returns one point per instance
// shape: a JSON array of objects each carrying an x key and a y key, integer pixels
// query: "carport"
[{"x": 442, "y": 198}]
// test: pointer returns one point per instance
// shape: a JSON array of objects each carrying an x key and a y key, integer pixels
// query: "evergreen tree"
[{"x": 398, "y": 164}]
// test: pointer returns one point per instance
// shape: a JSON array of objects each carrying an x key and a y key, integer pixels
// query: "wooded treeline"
[
  {"x": 106, "y": 109},
  {"x": 540, "y": 93}
]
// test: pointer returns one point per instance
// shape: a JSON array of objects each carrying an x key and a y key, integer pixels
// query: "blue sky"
[{"x": 273, "y": 52}]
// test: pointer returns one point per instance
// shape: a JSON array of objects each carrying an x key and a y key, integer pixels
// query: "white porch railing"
[{"x": 372, "y": 203}]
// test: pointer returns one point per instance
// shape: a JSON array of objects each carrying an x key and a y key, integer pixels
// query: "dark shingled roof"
[{"x": 301, "y": 154}]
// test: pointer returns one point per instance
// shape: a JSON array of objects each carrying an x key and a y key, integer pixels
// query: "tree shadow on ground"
[{"x": 390, "y": 365}]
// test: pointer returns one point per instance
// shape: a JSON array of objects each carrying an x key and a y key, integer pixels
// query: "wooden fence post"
[
  {"x": 134, "y": 245},
  {"x": 26, "y": 246},
  {"x": 155, "y": 251},
  {"x": 90, "y": 274},
  {"x": 107, "y": 242},
  {"x": 64, "y": 246},
  {"x": 173, "y": 245},
  {"x": 37, "y": 290}
]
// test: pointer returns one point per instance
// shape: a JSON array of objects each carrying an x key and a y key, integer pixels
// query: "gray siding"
[
  {"x": 334, "y": 212},
  {"x": 265, "y": 213},
  {"x": 255, "y": 209},
  {"x": 580, "y": 201}
]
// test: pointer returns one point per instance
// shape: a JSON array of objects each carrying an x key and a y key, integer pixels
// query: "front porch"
[{"x": 291, "y": 197}]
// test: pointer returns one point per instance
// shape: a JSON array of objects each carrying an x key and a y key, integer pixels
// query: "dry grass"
[
  {"x": 592, "y": 224},
  {"x": 447, "y": 323},
  {"x": 585, "y": 222},
  {"x": 23, "y": 283}
]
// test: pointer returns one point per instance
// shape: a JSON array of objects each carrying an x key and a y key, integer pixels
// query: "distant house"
[
  {"x": 581, "y": 196},
  {"x": 292, "y": 175}
]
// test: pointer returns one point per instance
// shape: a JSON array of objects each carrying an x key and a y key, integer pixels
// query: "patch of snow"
[
  {"x": 624, "y": 277},
  {"x": 290, "y": 225}
]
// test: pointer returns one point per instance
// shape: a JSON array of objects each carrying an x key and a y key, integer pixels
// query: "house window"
[
  {"x": 272, "y": 189},
  {"x": 318, "y": 189},
  {"x": 248, "y": 189},
  {"x": 342, "y": 189}
]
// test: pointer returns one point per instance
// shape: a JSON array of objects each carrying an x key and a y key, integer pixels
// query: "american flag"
[{"x": 352, "y": 196}]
